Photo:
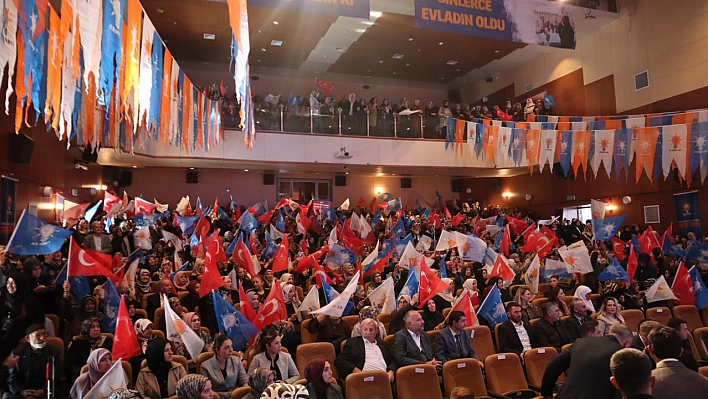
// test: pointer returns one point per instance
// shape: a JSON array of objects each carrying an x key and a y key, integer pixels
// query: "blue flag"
[
  {"x": 399, "y": 245},
  {"x": 339, "y": 255},
  {"x": 700, "y": 292},
  {"x": 426, "y": 214},
  {"x": 613, "y": 272},
  {"x": 91, "y": 212},
  {"x": 438, "y": 195},
  {"x": 34, "y": 237},
  {"x": 330, "y": 294},
  {"x": 156, "y": 94},
  {"x": 553, "y": 268},
  {"x": 182, "y": 268},
  {"x": 375, "y": 220},
  {"x": 144, "y": 219},
  {"x": 620, "y": 155},
  {"x": 489, "y": 256},
  {"x": 398, "y": 230},
  {"x": 479, "y": 139},
  {"x": 492, "y": 309},
  {"x": 329, "y": 215},
  {"x": 110, "y": 48},
  {"x": 565, "y": 146},
  {"x": 443, "y": 268},
  {"x": 222, "y": 215},
  {"x": 393, "y": 205},
  {"x": 548, "y": 100},
  {"x": 418, "y": 207},
  {"x": 270, "y": 249},
  {"x": 111, "y": 302},
  {"x": 411, "y": 287},
  {"x": 279, "y": 224},
  {"x": 687, "y": 213},
  {"x": 450, "y": 133},
  {"x": 636, "y": 244},
  {"x": 670, "y": 249},
  {"x": 232, "y": 246},
  {"x": 232, "y": 322},
  {"x": 79, "y": 284},
  {"x": 294, "y": 100},
  {"x": 697, "y": 251},
  {"x": 248, "y": 223},
  {"x": 605, "y": 229},
  {"x": 517, "y": 146},
  {"x": 233, "y": 205},
  {"x": 187, "y": 223},
  {"x": 699, "y": 147}
]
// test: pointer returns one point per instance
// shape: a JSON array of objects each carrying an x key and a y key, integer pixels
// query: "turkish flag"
[
  {"x": 142, "y": 206},
  {"x": 211, "y": 278},
  {"x": 273, "y": 308},
  {"x": 125, "y": 341},
  {"x": 320, "y": 273},
  {"x": 505, "y": 242},
  {"x": 683, "y": 287},
  {"x": 380, "y": 265},
  {"x": 501, "y": 269},
  {"x": 667, "y": 234},
  {"x": 457, "y": 219},
  {"x": 265, "y": 218},
  {"x": 84, "y": 262},
  {"x": 218, "y": 250},
  {"x": 245, "y": 306},
  {"x": 546, "y": 248},
  {"x": 109, "y": 200},
  {"x": 324, "y": 85},
  {"x": 529, "y": 230},
  {"x": 517, "y": 225},
  {"x": 464, "y": 305},
  {"x": 618, "y": 248},
  {"x": 430, "y": 284},
  {"x": 373, "y": 205},
  {"x": 283, "y": 201},
  {"x": 648, "y": 241},
  {"x": 202, "y": 228},
  {"x": 280, "y": 259},
  {"x": 360, "y": 203},
  {"x": 310, "y": 260},
  {"x": 243, "y": 257},
  {"x": 632, "y": 264},
  {"x": 448, "y": 215},
  {"x": 305, "y": 209}
]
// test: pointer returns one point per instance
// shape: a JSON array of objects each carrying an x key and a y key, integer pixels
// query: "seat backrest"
[
  {"x": 432, "y": 334},
  {"x": 55, "y": 322},
  {"x": 700, "y": 337},
  {"x": 385, "y": 317},
  {"x": 159, "y": 315},
  {"x": 661, "y": 314},
  {"x": 305, "y": 336},
  {"x": 239, "y": 393},
  {"x": 703, "y": 371},
  {"x": 538, "y": 302},
  {"x": 351, "y": 320},
  {"x": 175, "y": 358},
  {"x": 183, "y": 295},
  {"x": 704, "y": 316},
  {"x": 464, "y": 373},
  {"x": 59, "y": 343},
  {"x": 142, "y": 312},
  {"x": 481, "y": 340},
  {"x": 158, "y": 333},
  {"x": 632, "y": 317},
  {"x": 504, "y": 373},
  {"x": 496, "y": 335},
  {"x": 690, "y": 314},
  {"x": 316, "y": 350},
  {"x": 535, "y": 361},
  {"x": 542, "y": 287},
  {"x": 566, "y": 346},
  {"x": 533, "y": 322},
  {"x": 446, "y": 312},
  {"x": 389, "y": 340},
  {"x": 694, "y": 349},
  {"x": 369, "y": 385},
  {"x": 418, "y": 381},
  {"x": 145, "y": 299},
  {"x": 203, "y": 357}
]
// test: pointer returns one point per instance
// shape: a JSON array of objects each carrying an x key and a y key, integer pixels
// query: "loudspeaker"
[
  {"x": 192, "y": 177},
  {"x": 456, "y": 185},
  {"x": 497, "y": 184},
  {"x": 406, "y": 182},
  {"x": 89, "y": 156},
  {"x": 20, "y": 148},
  {"x": 454, "y": 96},
  {"x": 126, "y": 178},
  {"x": 340, "y": 180},
  {"x": 268, "y": 179}
]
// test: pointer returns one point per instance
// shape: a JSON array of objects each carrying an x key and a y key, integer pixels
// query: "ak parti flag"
[
  {"x": 645, "y": 151},
  {"x": 533, "y": 138},
  {"x": 490, "y": 144},
  {"x": 125, "y": 341},
  {"x": 84, "y": 262},
  {"x": 581, "y": 145},
  {"x": 280, "y": 259},
  {"x": 273, "y": 308}
]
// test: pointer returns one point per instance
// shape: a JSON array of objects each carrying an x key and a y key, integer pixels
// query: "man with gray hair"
[
  {"x": 412, "y": 345},
  {"x": 631, "y": 374},
  {"x": 366, "y": 353},
  {"x": 587, "y": 363}
]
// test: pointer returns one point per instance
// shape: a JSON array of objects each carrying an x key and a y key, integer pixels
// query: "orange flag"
[
  {"x": 581, "y": 145},
  {"x": 20, "y": 89},
  {"x": 166, "y": 96},
  {"x": 459, "y": 135},
  {"x": 200, "y": 121},
  {"x": 490, "y": 143},
  {"x": 54, "y": 63},
  {"x": 646, "y": 149},
  {"x": 186, "y": 114},
  {"x": 532, "y": 139},
  {"x": 131, "y": 57}
]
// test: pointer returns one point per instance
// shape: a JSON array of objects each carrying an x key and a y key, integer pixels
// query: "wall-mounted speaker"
[
  {"x": 340, "y": 181},
  {"x": 406, "y": 182},
  {"x": 456, "y": 185},
  {"x": 126, "y": 178},
  {"x": 497, "y": 184},
  {"x": 268, "y": 179},
  {"x": 20, "y": 147},
  {"x": 192, "y": 177}
]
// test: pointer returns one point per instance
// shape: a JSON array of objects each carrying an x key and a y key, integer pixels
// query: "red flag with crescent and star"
[
  {"x": 243, "y": 257},
  {"x": 211, "y": 278},
  {"x": 84, "y": 262},
  {"x": 246, "y": 309},
  {"x": 125, "y": 341},
  {"x": 273, "y": 308},
  {"x": 430, "y": 284},
  {"x": 280, "y": 259}
]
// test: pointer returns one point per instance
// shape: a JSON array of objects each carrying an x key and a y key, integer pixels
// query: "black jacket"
[
  {"x": 354, "y": 356},
  {"x": 509, "y": 340},
  {"x": 547, "y": 334},
  {"x": 573, "y": 326},
  {"x": 30, "y": 376},
  {"x": 407, "y": 352}
]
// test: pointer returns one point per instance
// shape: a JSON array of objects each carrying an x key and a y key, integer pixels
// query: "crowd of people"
[{"x": 30, "y": 295}]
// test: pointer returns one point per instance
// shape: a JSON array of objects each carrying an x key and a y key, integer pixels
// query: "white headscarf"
[
  {"x": 447, "y": 295},
  {"x": 581, "y": 292}
]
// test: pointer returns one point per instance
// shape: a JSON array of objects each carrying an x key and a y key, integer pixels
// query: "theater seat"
[
  {"x": 704, "y": 316},
  {"x": 700, "y": 337},
  {"x": 175, "y": 358},
  {"x": 464, "y": 373},
  {"x": 535, "y": 362},
  {"x": 690, "y": 314},
  {"x": 632, "y": 317},
  {"x": 703, "y": 371},
  {"x": 317, "y": 350},
  {"x": 159, "y": 315},
  {"x": 418, "y": 381},
  {"x": 369, "y": 385},
  {"x": 127, "y": 368},
  {"x": 505, "y": 376},
  {"x": 239, "y": 393},
  {"x": 305, "y": 336},
  {"x": 389, "y": 340},
  {"x": 661, "y": 314},
  {"x": 203, "y": 357},
  {"x": 481, "y": 340}
]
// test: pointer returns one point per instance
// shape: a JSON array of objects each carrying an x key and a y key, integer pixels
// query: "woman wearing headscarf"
[
  {"x": 376, "y": 281},
  {"x": 646, "y": 273},
  {"x": 292, "y": 301},
  {"x": 369, "y": 312},
  {"x": 142, "y": 284},
  {"x": 225, "y": 371},
  {"x": 432, "y": 316},
  {"x": 446, "y": 298},
  {"x": 76, "y": 314},
  {"x": 583, "y": 292},
  {"x": 194, "y": 322},
  {"x": 124, "y": 393},
  {"x": 19, "y": 309},
  {"x": 260, "y": 379},
  {"x": 159, "y": 379},
  {"x": 99, "y": 362},
  {"x": 496, "y": 280},
  {"x": 194, "y": 386},
  {"x": 143, "y": 330},
  {"x": 318, "y": 374},
  {"x": 176, "y": 305},
  {"x": 471, "y": 285},
  {"x": 529, "y": 108},
  {"x": 405, "y": 304},
  {"x": 90, "y": 340},
  {"x": 463, "y": 276},
  {"x": 180, "y": 281},
  {"x": 283, "y": 390}
]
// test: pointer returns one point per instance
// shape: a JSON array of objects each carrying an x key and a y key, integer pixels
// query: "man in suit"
[
  {"x": 513, "y": 335},
  {"x": 28, "y": 377},
  {"x": 641, "y": 340},
  {"x": 155, "y": 301},
  {"x": 578, "y": 315},
  {"x": 550, "y": 331},
  {"x": 587, "y": 363},
  {"x": 631, "y": 374},
  {"x": 412, "y": 345},
  {"x": 366, "y": 353},
  {"x": 453, "y": 341},
  {"x": 687, "y": 357},
  {"x": 98, "y": 241},
  {"x": 673, "y": 379}
]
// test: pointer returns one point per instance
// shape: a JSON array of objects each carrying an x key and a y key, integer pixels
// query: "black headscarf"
[
  {"x": 16, "y": 300},
  {"x": 155, "y": 355}
]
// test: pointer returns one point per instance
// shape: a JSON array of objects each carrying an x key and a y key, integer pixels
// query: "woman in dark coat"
[{"x": 19, "y": 309}]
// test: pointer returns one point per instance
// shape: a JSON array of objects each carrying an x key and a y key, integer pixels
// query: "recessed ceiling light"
[
  {"x": 339, "y": 49},
  {"x": 324, "y": 56},
  {"x": 458, "y": 69},
  {"x": 160, "y": 11},
  {"x": 408, "y": 64},
  {"x": 398, "y": 56},
  {"x": 259, "y": 31},
  {"x": 276, "y": 43},
  {"x": 346, "y": 173},
  {"x": 135, "y": 166},
  {"x": 259, "y": 60},
  {"x": 263, "y": 49},
  {"x": 381, "y": 62},
  {"x": 275, "y": 22},
  {"x": 410, "y": 39},
  {"x": 245, "y": 170},
  {"x": 191, "y": 168},
  {"x": 346, "y": 31},
  {"x": 442, "y": 78},
  {"x": 451, "y": 62},
  {"x": 394, "y": 73},
  {"x": 393, "y": 174},
  {"x": 496, "y": 51},
  {"x": 440, "y": 44}
]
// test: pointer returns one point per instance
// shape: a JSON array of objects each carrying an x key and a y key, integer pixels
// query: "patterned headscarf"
[
  {"x": 281, "y": 390},
  {"x": 258, "y": 380},
  {"x": 122, "y": 393},
  {"x": 191, "y": 386}
]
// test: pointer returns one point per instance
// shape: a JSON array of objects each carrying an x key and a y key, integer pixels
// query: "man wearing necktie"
[
  {"x": 453, "y": 341},
  {"x": 411, "y": 345}
]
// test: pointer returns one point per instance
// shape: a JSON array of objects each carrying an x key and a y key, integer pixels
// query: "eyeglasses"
[{"x": 38, "y": 335}]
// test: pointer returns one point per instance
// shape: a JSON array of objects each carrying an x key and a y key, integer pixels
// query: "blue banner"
[
  {"x": 345, "y": 8},
  {"x": 543, "y": 23},
  {"x": 566, "y": 145},
  {"x": 699, "y": 148},
  {"x": 110, "y": 48},
  {"x": 687, "y": 214},
  {"x": 623, "y": 142},
  {"x": 7, "y": 208},
  {"x": 517, "y": 146}
]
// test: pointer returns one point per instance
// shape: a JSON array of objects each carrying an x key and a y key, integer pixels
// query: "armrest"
[{"x": 535, "y": 388}]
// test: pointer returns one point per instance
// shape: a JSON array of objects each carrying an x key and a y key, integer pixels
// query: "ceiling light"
[
  {"x": 442, "y": 78},
  {"x": 276, "y": 43},
  {"x": 451, "y": 62},
  {"x": 360, "y": 30},
  {"x": 245, "y": 170},
  {"x": 160, "y": 11},
  {"x": 259, "y": 60},
  {"x": 324, "y": 56},
  {"x": 398, "y": 56},
  {"x": 440, "y": 44},
  {"x": 381, "y": 62},
  {"x": 408, "y": 64},
  {"x": 394, "y": 73},
  {"x": 368, "y": 70},
  {"x": 346, "y": 173},
  {"x": 338, "y": 49},
  {"x": 263, "y": 49},
  {"x": 458, "y": 69},
  {"x": 410, "y": 39},
  {"x": 346, "y": 31},
  {"x": 191, "y": 168},
  {"x": 393, "y": 174},
  {"x": 496, "y": 51},
  {"x": 375, "y": 14},
  {"x": 135, "y": 166},
  {"x": 275, "y": 22}
]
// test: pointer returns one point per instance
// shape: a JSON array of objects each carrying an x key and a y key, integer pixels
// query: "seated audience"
[
  {"x": 578, "y": 316},
  {"x": 412, "y": 345},
  {"x": 28, "y": 377},
  {"x": 99, "y": 362},
  {"x": 405, "y": 304},
  {"x": 159, "y": 379},
  {"x": 453, "y": 341},
  {"x": 590, "y": 328},
  {"x": 686, "y": 358},
  {"x": 79, "y": 349},
  {"x": 194, "y": 386},
  {"x": 269, "y": 355},
  {"x": 432, "y": 316},
  {"x": 461, "y": 393},
  {"x": 631, "y": 374},
  {"x": 320, "y": 383},
  {"x": 557, "y": 296},
  {"x": 550, "y": 330},
  {"x": 609, "y": 315},
  {"x": 194, "y": 322},
  {"x": 369, "y": 312},
  {"x": 514, "y": 335},
  {"x": 673, "y": 379},
  {"x": 156, "y": 300},
  {"x": 365, "y": 353},
  {"x": 225, "y": 372},
  {"x": 259, "y": 379},
  {"x": 329, "y": 329},
  {"x": 585, "y": 293},
  {"x": 529, "y": 311}
]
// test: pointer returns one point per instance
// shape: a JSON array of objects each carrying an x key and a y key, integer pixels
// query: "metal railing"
[{"x": 301, "y": 120}]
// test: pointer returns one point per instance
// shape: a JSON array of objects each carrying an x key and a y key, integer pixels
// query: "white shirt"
[
  {"x": 416, "y": 338},
  {"x": 374, "y": 359},
  {"x": 670, "y": 359},
  {"x": 523, "y": 335},
  {"x": 97, "y": 242}
]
